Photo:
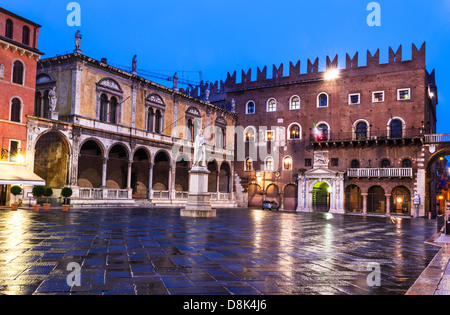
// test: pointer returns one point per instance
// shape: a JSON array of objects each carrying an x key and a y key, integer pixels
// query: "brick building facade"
[
  {"x": 18, "y": 60},
  {"x": 345, "y": 139}
]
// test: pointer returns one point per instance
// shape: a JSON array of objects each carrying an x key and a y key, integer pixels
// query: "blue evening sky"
[{"x": 217, "y": 37}]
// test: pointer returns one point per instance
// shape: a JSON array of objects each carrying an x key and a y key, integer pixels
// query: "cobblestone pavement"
[{"x": 241, "y": 252}]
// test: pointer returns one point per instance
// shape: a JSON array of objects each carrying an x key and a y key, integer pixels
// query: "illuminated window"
[
  {"x": 271, "y": 105},
  {"x": 287, "y": 163},
  {"x": 378, "y": 97},
  {"x": 270, "y": 135},
  {"x": 404, "y": 94},
  {"x": 248, "y": 165},
  {"x": 249, "y": 135},
  {"x": 269, "y": 164},
  {"x": 295, "y": 132},
  {"x": 295, "y": 103}
]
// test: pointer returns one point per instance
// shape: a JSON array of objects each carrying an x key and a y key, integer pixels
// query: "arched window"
[
  {"x": 249, "y": 164},
  {"x": 114, "y": 109},
  {"x": 295, "y": 132},
  {"x": 18, "y": 70},
  {"x": 38, "y": 104},
  {"x": 15, "y": 110},
  {"x": 9, "y": 29},
  {"x": 150, "y": 115},
  {"x": 295, "y": 103},
  {"x": 361, "y": 131},
  {"x": 396, "y": 129},
  {"x": 355, "y": 164},
  {"x": 103, "y": 107},
  {"x": 158, "y": 121},
  {"x": 269, "y": 164},
  {"x": 271, "y": 105},
  {"x": 406, "y": 163},
  {"x": 190, "y": 127},
  {"x": 287, "y": 163},
  {"x": 249, "y": 134},
  {"x": 250, "y": 108},
  {"x": 385, "y": 163},
  {"x": 26, "y": 35},
  {"x": 322, "y": 100}
]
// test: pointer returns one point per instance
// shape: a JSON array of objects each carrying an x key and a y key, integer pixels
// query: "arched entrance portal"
[
  {"x": 140, "y": 174},
  {"x": 376, "y": 200},
  {"x": 90, "y": 165},
  {"x": 161, "y": 170},
  {"x": 434, "y": 171},
  {"x": 51, "y": 159},
  {"x": 321, "y": 197},
  {"x": 401, "y": 201},
  {"x": 254, "y": 196},
  {"x": 353, "y": 199}
]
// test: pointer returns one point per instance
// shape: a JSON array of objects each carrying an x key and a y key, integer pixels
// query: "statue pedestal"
[{"x": 198, "y": 205}]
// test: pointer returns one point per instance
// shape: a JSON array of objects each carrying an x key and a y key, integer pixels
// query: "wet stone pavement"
[{"x": 241, "y": 252}]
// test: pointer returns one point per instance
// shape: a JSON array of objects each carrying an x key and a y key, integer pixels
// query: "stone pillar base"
[{"x": 198, "y": 204}]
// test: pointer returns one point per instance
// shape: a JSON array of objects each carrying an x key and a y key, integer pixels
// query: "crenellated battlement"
[{"x": 218, "y": 90}]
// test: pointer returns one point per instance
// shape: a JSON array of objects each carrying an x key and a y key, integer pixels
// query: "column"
[
  {"x": 364, "y": 195},
  {"x": 388, "y": 205},
  {"x": 129, "y": 170},
  {"x": 150, "y": 181},
  {"x": 105, "y": 169}
]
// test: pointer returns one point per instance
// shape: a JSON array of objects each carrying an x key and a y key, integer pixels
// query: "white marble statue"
[{"x": 200, "y": 150}]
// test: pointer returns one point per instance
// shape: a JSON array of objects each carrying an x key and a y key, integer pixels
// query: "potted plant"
[
  {"x": 66, "y": 193},
  {"x": 38, "y": 191},
  {"x": 48, "y": 192},
  {"x": 16, "y": 191}
]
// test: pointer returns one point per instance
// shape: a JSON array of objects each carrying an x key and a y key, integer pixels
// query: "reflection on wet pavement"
[{"x": 242, "y": 252}]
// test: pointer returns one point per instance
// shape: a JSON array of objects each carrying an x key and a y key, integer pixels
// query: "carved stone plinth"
[{"x": 198, "y": 204}]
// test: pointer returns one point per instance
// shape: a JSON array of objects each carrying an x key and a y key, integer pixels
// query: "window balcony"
[
  {"x": 380, "y": 173},
  {"x": 404, "y": 136}
]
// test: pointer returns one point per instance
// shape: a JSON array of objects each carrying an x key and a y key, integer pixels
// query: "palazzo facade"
[
  {"x": 336, "y": 139},
  {"x": 115, "y": 137}
]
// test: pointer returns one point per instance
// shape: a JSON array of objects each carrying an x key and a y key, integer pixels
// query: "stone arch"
[
  {"x": 51, "y": 158},
  {"x": 90, "y": 164},
  {"x": 353, "y": 199},
  {"x": 273, "y": 193},
  {"x": 290, "y": 197},
  {"x": 255, "y": 197},
  {"x": 140, "y": 172},
  {"x": 213, "y": 168},
  {"x": 161, "y": 171},
  {"x": 117, "y": 167},
  {"x": 224, "y": 178},
  {"x": 183, "y": 166}
]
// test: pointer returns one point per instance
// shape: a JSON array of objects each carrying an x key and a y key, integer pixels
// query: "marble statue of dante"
[
  {"x": 78, "y": 38},
  {"x": 52, "y": 99},
  {"x": 200, "y": 150}
]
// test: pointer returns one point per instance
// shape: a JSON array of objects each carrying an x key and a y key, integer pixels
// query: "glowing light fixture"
[
  {"x": 331, "y": 74},
  {"x": 20, "y": 159}
]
